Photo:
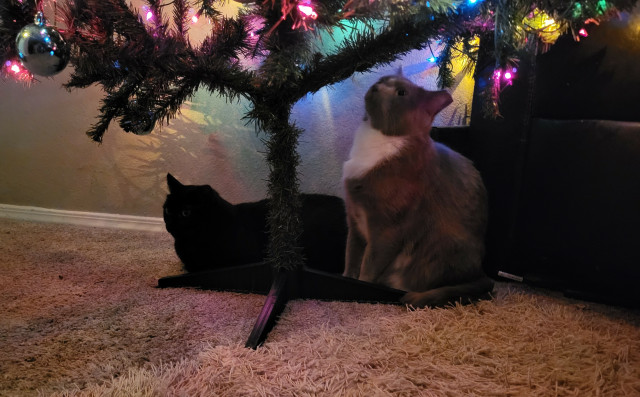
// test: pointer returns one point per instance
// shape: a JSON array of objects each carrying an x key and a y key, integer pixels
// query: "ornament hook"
[{"x": 39, "y": 19}]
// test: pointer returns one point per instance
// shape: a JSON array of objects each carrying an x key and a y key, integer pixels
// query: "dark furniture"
[{"x": 562, "y": 166}]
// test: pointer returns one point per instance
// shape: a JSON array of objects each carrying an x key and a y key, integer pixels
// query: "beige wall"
[{"x": 46, "y": 160}]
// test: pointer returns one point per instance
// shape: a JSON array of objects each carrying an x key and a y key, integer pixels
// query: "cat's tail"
[{"x": 464, "y": 293}]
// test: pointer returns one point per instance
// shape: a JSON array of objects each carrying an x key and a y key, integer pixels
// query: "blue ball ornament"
[{"x": 41, "y": 48}]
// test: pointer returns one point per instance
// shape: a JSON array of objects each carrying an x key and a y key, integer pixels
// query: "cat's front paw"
[
  {"x": 419, "y": 300},
  {"x": 349, "y": 274}
]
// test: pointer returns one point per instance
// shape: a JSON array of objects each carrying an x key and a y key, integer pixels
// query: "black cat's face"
[
  {"x": 396, "y": 106},
  {"x": 188, "y": 209},
  {"x": 184, "y": 211}
]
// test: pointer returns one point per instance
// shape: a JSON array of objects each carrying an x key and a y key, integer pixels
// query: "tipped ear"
[
  {"x": 399, "y": 71},
  {"x": 173, "y": 183},
  {"x": 436, "y": 101}
]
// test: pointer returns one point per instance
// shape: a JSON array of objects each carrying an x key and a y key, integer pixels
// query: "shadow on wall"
[
  {"x": 207, "y": 144},
  {"x": 219, "y": 148}
]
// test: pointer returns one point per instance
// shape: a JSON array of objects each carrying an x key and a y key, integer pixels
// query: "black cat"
[{"x": 210, "y": 232}]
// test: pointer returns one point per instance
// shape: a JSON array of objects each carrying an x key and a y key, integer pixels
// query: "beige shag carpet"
[{"x": 80, "y": 316}]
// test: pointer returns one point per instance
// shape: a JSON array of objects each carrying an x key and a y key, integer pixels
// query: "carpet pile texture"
[{"x": 80, "y": 315}]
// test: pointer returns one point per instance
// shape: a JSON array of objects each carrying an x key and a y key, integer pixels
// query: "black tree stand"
[{"x": 280, "y": 287}]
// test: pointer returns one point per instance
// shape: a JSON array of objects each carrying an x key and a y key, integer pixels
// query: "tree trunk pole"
[{"x": 284, "y": 221}]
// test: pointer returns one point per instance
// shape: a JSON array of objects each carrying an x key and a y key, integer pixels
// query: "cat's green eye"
[
  {"x": 402, "y": 92},
  {"x": 186, "y": 213}
]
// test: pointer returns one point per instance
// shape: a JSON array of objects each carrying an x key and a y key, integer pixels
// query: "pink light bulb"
[
  {"x": 194, "y": 19},
  {"x": 308, "y": 11},
  {"x": 149, "y": 15},
  {"x": 15, "y": 68},
  {"x": 583, "y": 32},
  {"x": 508, "y": 75}
]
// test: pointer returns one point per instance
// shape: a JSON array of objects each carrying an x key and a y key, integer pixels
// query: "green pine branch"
[{"x": 14, "y": 15}]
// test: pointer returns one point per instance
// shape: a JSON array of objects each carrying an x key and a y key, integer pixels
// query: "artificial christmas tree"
[{"x": 148, "y": 67}]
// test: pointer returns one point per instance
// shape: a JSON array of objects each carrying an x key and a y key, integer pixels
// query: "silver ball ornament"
[
  {"x": 41, "y": 48},
  {"x": 137, "y": 119}
]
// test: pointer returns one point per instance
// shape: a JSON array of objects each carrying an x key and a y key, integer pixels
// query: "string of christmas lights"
[{"x": 547, "y": 23}]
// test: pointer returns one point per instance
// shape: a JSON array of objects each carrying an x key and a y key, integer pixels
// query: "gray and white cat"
[{"x": 416, "y": 210}]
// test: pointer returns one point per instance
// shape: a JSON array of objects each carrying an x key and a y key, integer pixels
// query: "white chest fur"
[{"x": 370, "y": 147}]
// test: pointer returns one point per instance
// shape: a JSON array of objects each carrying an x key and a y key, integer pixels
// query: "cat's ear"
[
  {"x": 173, "y": 183},
  {"x": 399, "y": 72},
  {"x": 435, "y": 101}
]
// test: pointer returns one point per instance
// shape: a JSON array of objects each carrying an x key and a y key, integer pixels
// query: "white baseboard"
[{"x": 94, "y": 219}]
